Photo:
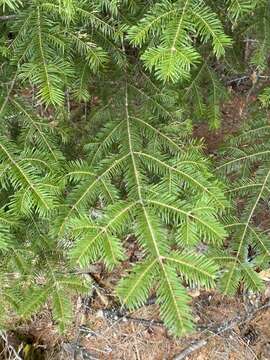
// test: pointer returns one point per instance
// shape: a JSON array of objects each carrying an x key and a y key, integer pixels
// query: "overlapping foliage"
[
  {"x": 96, "y": 146},
  {"x": 246, "y": 159}
]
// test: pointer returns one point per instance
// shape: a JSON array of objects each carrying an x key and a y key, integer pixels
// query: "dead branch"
[
  {"x": 190, "y": 349},
  {"x": 7, "y": 17},
  {"x": 121, "y": 315},
  {"x": 10, "y": 352},
  {"x": 219, "y": 329}
]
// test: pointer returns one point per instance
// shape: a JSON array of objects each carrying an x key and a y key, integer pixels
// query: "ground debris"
[{"x": 225, "y": 329}]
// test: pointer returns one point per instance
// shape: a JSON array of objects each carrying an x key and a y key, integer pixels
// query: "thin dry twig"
[
  {"x": 239, "y": 320},
  {"x": 9, "y": 351},
  {"x": 190, "y": 349}
]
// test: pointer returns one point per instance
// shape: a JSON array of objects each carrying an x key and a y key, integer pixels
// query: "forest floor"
[
  {"x": 226, "y": 328},
  {"x": 112, "y": 338}
]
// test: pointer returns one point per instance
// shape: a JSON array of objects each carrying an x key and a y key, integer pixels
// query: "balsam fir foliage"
[
  {"x": 156, "y": 188},
  {"x": 96, "y": 147},
  {"x": 170, "y": 30},
  {"x": 120, "y": 188},
  {"x": 246, "y": 159}
]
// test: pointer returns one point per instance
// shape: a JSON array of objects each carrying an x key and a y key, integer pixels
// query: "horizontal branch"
[{"x": 7, "y": 17}]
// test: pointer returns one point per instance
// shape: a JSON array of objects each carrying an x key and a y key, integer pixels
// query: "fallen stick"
[
  {"x": 190, "y": 349},
  {"x": 217, "y": 330},
  {"x": 120, "y": 315},
  {"x": 194, "y": 346}
]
